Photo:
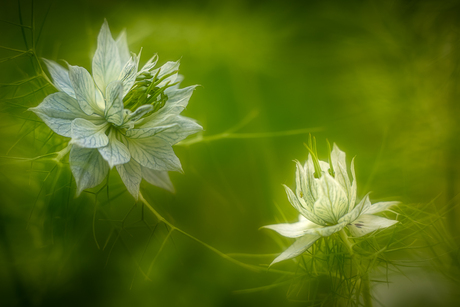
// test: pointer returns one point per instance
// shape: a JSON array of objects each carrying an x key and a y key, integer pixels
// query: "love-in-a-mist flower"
[
  {"x": 119, "y": 116},
  {"x": 326, "y": 200}
]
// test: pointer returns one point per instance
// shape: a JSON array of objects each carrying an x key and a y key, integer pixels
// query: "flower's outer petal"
[
  {"x": 88, "y": 135},
  {"x": 58, "y": 110},
  {"x": 353, "y": 186},
  {"x": 88, "y": 167},
  {"x": 177, "y": 101},
  {"x": 312, "y": 182},
  {"x": 114, "y": 103},
  {"x": 106, "y": 60},
  {"x": 181, "y": 128},
  {"x": 85, "y": 90},
  {"x": 338, "y": 158},
  {"x": 128, "y": 73},
  {"x": 298, "y": 206},
  {"x": 379, "y": 207},
  {"x": 360, "y": 209},
  {"x": 131, "y": 175},
  {"x": 301, "y": 185},
  {"x": 292, "y": 230},
  {"x": 148, "y": 132},
  {"x": 60, "y": 77},
  {"x": 115, "y": 152},
  {"x": 149, "y": 65},
  {"x": 367, "y": 223},
  {"x": 167, "y": 68},
  {"x": 122, "y": 46},
  {"x": 326, "y": 231},
  {"x": 158, "y": 178},
  {"x": 297, "y": 248},
  {"x": 153, "y": 153},
  {"x": 332, "y": 203},
  {"x": 141, "y": 111}
]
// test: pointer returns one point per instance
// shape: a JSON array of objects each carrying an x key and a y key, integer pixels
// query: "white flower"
[
  {"x": 120, "y": 116},
  {"x": 325, "y": 199}
]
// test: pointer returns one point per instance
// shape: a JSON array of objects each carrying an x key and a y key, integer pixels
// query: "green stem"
[{"x": 365, "y": 282}]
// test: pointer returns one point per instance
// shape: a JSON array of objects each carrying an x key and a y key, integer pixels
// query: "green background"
[{"x": 378, "y": 78}]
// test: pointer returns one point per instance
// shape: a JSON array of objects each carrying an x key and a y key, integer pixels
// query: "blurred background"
[{"x": 378, "y": 78}]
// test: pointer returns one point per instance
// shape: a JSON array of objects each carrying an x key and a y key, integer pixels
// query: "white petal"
[
  {"x": 122, "y": 46},
  {"x": 338, "y": 158},
  {"x": 106, "y": 60},
  {"x": 292, "y": 230},
  {"x": 298, "y": 206},
  {"x": 114, "y": 103},
  {"x": 85, "y": 90},
  {"x": 141, "y": 111},
  {"x": 131, "y": 176},
  {"x": 181, "y": 127},
  {"x": 382, "y": 206},
  {"x": 297, "y": 248},
  {"x": 88, "y": 135},
  {"x": 58, "y": 110},
  {"x": 60, "y": 77},
  {"x": 158, "y": 178},
  {"x": 115, "y": 152},
  {"x": 167, "y": 68},
  {"x": 88, "y": 167},
  {"x": 153, "y": 153},
  {"x": 149, "y": 65},
  {"x": 368, "y": 223},
  {"x": 128, "y": 73},
  {"x": 332, "y": 203},
  {"x": 354, "y": 187},
  {"x": 147, "y": 132},
  {"x": 361, "y": 208}
]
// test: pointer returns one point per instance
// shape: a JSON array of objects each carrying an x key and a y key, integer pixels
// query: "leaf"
[
  {"x": 60, "y": 77},
  {"x": 88, "y": 167},
  {"x": 131, "y": 175},
  {"x": 106, "y": 60},
  {"x": 88, "y": 135}
]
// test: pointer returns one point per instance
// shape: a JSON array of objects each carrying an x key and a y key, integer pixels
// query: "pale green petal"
[
  {"x": 158, "y": 178},
  {"x": 88, "y": 167},
  {"x": 292, "y": 230},
  {"x": 115, "y": 152},
  {"x": 367, "y": 223},
  {"x": 298, "y": 206},
  {"x": 181, "y": 127},
  {"x": 153, "y": 153},
  {"x": 338, "y": 158},
  {"x": 131, "y": 176},
  {"x": 141, "y": 111},
  {"x": 297, "y": 248},
  {"x": 382, "y": 206},
  {"x": 361, "y": 208},
  {"x": 353, "y": 186},
  {"x": 85, "y": 90},
  {"x": 114, "y": 103},
  {"x": 60, "y": 77},
  {"x": 148, "y": 132},
  {"x": 58, "y": 110},
  {"x": 167, "y": 68},
  {"x": 88, "y": 135},
  {"x": 312, "y": 182},
  {"x": 326, "y": 231},
  {"x": 106, "y": 60},
  {"x": 149, "y": 65},
  {"x": 128, "y": 73},
  {"x": 123, "y": 50},
  {"x": 332, "y": 203}
]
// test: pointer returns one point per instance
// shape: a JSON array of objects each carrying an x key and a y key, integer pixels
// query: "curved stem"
[{"x": 223, "y": 255}]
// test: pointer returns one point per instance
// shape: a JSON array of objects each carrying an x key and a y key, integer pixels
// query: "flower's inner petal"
[
  {"x": 367, "y": 223},
  {"x": 297, "y": 248},
  {"x": 85, "y": 90},
  {"x": 153, "y": 153},
  {"x": 379, "y": 207},
  {"x": 88, "y": 135},
  {"x": 354, "y": 187},
  {"x": 304, "y": 211},
  {"x": 130, "y": 174},
  {"x": 128, "y": 73},
  {"x": 158, "y": 178},
  {"x": 339, "y": 165},
  {"x": 139, "y": 113},
  {"x": 88, "y": 167},
  {"x": 332, "y": 203},
  {"x": 167, "y": 68},
  {"x": 60, "y": 77},
  {"x": 58, "y": 110},
  {"x": 361, "y": 208},
  {"x": 106, "y": 60},
  {"x": 115, "y": 152},
  {"x": 114, "y": 103}
]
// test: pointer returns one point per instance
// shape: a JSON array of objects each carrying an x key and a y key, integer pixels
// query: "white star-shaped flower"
[
  {"x": 119, "y": 116},
  {"x": 325, "y": 199}
]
